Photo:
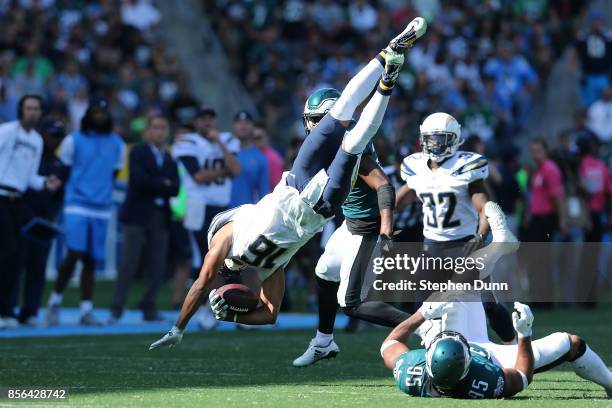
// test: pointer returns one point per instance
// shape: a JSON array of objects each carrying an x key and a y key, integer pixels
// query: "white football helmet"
[{"x": 440, "y": 136}]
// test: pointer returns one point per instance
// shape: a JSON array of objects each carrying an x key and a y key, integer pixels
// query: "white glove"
[
  {"x": 170, "y": 339},
  {"x": 218, "y": 305},
  {"x": 522, "y": 320},
  {"x": 434, "y": 310},
  {"x": 419, "y": 25}
]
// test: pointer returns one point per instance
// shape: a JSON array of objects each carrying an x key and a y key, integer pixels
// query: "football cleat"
[
  {"x": 88, "y": 319},
  {"x": 415, "y": 29},
  {"x": 315, "y": 353},
  {"x": 499, "y": 228},
  {"x": 52, "y": 314}
]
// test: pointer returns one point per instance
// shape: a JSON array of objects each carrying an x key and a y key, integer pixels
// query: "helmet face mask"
[
  {"x": 440, "y": 136},
  {"x": 448, "y": 360},
  {"x": 317, "y": 105},
  {"x": 439, "y": 145}
]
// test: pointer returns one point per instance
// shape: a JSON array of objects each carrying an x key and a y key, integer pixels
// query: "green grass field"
[{"x": 254, "y": 369}]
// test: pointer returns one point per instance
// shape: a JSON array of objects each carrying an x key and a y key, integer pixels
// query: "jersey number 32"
[{"x": 430, "y": 202}]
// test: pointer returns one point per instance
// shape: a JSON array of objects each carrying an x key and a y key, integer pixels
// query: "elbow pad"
[{"x": 386, "y": 197}]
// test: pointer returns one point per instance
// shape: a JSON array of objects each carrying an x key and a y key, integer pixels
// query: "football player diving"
[
  {"x": 266, "y": 235},
  {"x": 450, "y": 184}
]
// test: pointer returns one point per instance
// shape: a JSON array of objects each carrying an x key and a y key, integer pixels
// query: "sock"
[
  {"x": 500, "y": 321},
  {"x": 86, "y": 306},
  {"x": 327, "y": 304},
  {"x": 357, "y": 139},
  {"x": 357, "y": 90},
  {"x": 590, "y": 367},
  {"x": 377, "y": 312},
  {"x": 323, "y": 339},
  {"x": 55, "y": 298}
]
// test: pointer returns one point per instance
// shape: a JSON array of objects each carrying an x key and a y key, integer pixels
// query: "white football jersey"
[
  {"x": 209, "y": 156},
  {"x": 448, "y": 213},
  {"x": 266, "y": 235}
]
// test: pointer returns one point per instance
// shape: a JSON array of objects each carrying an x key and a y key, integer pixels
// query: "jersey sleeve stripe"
[
  {"x": 407, "y": 170},
  {"x": 476, "y": 164}
]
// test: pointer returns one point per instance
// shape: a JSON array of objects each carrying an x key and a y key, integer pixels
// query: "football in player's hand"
[{"x": 239, "y": 298}]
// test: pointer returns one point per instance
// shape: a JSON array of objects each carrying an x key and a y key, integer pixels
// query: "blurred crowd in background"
[{"x": 483, "y": 62}]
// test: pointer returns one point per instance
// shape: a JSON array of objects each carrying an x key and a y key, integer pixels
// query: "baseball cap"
[
  {"x": 243, "y": 115},
  {"x": 206, "y": 111},
  {"x": 54, "y": 127}
]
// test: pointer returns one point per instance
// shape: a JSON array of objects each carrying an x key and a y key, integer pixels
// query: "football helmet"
[
  {"x": 447, "y": 360},
  {"x": 440, "y": 136},
  {"x": 317, "y": 105}
]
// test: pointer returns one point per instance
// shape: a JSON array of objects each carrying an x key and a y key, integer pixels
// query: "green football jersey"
[
  {"x": 484, "y": 379},
  {"x": 362, "y": 201}
]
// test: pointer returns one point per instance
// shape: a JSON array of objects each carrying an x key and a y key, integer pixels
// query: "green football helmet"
[
  {"x": 317, "y": 105},
  {"x": 447, "y": 360}
]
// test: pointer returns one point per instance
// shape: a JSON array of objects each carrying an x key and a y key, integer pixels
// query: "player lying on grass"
[
  {"x": 452, "y": 367},
  {"x": 266, "y": 235},
  {"x": 469, "y": 319},
  {"x": 557, "y": 348}
]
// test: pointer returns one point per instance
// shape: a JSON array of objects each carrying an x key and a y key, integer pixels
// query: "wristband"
[
  {"x": 386, "y": 197},
  {"x": 525, "y": 380},
  {"x": 386, "y": 345}
]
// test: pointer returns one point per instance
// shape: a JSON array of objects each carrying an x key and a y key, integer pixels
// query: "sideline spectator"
[
  {"x": 275, "y": 160},
  {"x": 145, "y": 216},
  {"x": 253, "y": 182},
  {"x": 595, "y": 52},
  {"x": 210, "y": 161},
  {"x": 596, "y": 181},
  {"x": 95, "y": 154},
  {"x": 547, "y": 209},
  {"x": 41, "y": 205},
  {"x": 600, "y": 116},
  {"x": 20, "y": 151}
]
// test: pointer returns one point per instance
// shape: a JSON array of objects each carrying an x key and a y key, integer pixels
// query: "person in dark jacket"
[
  {"x": 43, "y": 206},
  {"x": 145, "y": 216}
]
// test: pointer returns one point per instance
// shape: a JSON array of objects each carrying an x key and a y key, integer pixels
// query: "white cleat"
[
  {"x": 414, "y": 30},
  {"x": 52, "y": 314},
  {"x": 499, "y": 228},
  {"x": 315, "y": 353}
]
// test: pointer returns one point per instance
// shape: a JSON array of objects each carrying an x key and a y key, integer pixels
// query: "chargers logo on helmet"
[{"x": 440, "y": 136}]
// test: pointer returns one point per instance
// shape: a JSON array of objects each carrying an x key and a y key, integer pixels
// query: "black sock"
[
  {"x": 500, "y": 320},
  {"x": 377, "y": 312},
  {"x": 328, "y": 304}
]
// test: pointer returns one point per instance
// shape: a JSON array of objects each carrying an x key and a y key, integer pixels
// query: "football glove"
[
  {"x": 218, "y": 305},
  {"x": 434, "y": 310},
  {"x": 522, "y": 320},
  {"x": 473, "y": 244},
  {"x": 170, "y": 339}
]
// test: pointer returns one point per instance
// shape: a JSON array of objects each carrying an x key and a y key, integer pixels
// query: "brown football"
[{"x": 239, "y": 298}]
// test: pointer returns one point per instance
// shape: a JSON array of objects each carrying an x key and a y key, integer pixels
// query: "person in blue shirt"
[
  {"x": 94, "y": 154},
  {"x": 253, "y": 182}
]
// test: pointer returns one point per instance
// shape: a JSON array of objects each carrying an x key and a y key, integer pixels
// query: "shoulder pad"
[
  {"x": 410, "y": 164},
  {"x": 468, "y": 161}
]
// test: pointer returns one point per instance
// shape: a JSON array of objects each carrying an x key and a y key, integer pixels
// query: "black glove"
[{"x": 473, "y": 244}]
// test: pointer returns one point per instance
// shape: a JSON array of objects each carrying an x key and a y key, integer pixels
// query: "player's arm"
[
  {"x": 374, "y": 176},
  {"x": 219, "y": 247},
  {"x": 404, "y": 197},
  {"x": 271, "y": 296},
  {"x": 201, "y": 175},
  {"x": 395, "y": 343},
  {"x": 232, "y": 165},
  {"x": 518, "y": 378},
  {"x": 479, "y": 196}
]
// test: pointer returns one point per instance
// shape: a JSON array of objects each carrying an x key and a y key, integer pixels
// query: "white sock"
[
  {"x": 358, "y": 138},
  {"x": 55, "y": 298},
  {"x": 358, "y": 88},
  {"x": 323, "y": 339},
  {"x": 590, "y": 367},
  {"x": 86, "y": 306}
]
